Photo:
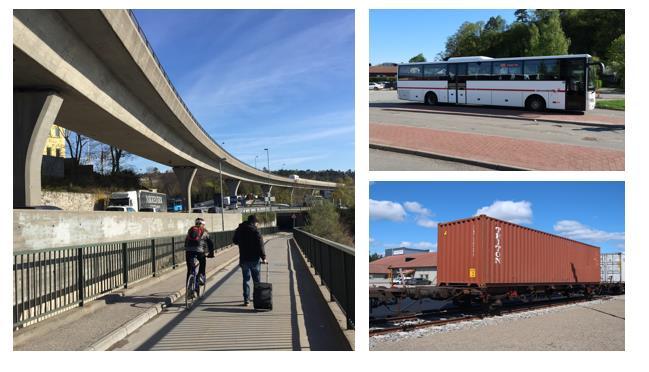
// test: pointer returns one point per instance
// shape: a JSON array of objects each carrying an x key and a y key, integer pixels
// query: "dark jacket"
[
  {"x": 205, "y": 244},
  {"x": 250, "y": 242}
]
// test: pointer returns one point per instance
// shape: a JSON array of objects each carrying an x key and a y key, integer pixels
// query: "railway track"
[{"x": 417, "y": 321}]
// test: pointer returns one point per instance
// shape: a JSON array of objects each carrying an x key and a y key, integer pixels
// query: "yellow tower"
[{"x": 55, "y": 145}]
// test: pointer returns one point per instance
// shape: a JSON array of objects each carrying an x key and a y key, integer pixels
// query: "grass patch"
[{"x": 611, "y": 104}]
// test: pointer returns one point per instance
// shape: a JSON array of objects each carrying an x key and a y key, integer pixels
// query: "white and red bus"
[{"x": 537, "y": 83}]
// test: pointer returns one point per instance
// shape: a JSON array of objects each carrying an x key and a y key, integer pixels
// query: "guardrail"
[
  {"x": 53, "y": 280},
  {"x": 334, "y": 263}
]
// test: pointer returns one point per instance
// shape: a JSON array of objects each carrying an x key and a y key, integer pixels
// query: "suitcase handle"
[{"x": 266, "y": 270}]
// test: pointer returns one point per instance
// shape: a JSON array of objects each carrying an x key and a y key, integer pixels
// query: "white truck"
[{"x": 139, "y": 200}]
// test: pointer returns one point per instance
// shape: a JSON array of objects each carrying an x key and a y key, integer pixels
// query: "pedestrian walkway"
[
  {"x": 595, "y": 117},
  {"x": 496, "y": 150},
  {"x": 300, "y": 318},
  {"x": 81, "y": 327}
]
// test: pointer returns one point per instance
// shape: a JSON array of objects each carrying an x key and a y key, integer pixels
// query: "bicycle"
[{"x": 193, "y": 289}]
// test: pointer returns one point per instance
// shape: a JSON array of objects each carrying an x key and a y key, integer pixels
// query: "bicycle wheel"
[
  {"x": 189, "y": 291},
  {"x": 200, "y": 289}
]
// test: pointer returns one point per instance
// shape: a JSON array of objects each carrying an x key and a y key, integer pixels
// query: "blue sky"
[
  {"x": 407, "y": 213},
  {"x": 263, "y": 78},
  {"x": 398, "y": 35}
]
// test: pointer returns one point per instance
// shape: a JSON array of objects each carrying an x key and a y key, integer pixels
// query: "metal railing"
[
  {"x": 334, "y": 263},
  {"x": 53, "y": 280}
]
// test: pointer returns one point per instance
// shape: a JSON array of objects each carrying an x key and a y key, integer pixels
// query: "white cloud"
[
  {"x": 509, "y": 210},
  {"x": 419, "y": 245},
  {"x": 576, "y": 230},
  {"x": 427, "y": 222},
  {"x": 415, "y": 207},
  {"x": 386, "y": 210},
  {"x": 422, "y": 214}
]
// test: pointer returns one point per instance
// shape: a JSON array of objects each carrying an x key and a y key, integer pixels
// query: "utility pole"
[
  {"x": 221, "y": 193},
  {"x": 268, "y": 170}
]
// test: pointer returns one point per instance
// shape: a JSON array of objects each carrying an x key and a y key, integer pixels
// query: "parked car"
[
  {"x": 115, "y": 208},
  {"x": 376, "y": 86},
  {"x": 199, "y": 210}
]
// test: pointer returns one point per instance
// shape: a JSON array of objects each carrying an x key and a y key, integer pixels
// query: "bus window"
[
  {"x": 508, "y": 70},
  {"x": 452, "y": 71},
  {"x": 542, "y": 69},
  {"x": 410, "y": 72},
  {"x": 435, "y": 72},
  {"x": 479, "y": 70}
]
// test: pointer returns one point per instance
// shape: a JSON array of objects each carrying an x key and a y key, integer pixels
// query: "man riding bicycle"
[{"x": 197, "y": 241}]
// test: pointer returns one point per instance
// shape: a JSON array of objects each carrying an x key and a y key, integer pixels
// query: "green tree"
[
  {"x": 522, "y": 16},
  {"x": 465, "y": 42},
  {"x": 345, "y": 195},
  {"x": 552, "y": 40},
  {"x": 418, "y": 58},
  {"x": 324, "y": 222},
  {"x": 615, "y": 57},
  {"x": 375, "y": 256}
]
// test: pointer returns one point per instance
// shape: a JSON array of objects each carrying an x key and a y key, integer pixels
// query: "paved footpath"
[
  {"x": 300, "y": 319},
  {"x": 497, "y": 150},
  {"x": 81, "y": 327}
]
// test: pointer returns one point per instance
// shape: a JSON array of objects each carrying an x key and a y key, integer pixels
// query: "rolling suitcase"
[{"x": 262, "y": 295}]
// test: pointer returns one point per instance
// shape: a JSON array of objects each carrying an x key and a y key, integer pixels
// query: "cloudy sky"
[
  {"x": 282, "y": 79},
  {"x": 407, "y": 213}
]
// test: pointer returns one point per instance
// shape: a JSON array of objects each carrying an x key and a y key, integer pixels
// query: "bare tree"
[
  {"x": 76, "y": 143},
  {"x": 117, "y": 156}
]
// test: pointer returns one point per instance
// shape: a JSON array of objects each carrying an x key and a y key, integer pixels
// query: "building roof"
[
  {"x": 411, "y": 261},
  {"x": 383, "y": 69}
]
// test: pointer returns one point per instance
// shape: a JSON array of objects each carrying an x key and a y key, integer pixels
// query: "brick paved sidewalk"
[
  {"x": 517, "y": 153},
  {"x": 589, "y": 118}
]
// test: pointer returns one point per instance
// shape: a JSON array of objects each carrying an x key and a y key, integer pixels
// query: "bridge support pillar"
[
  {"x": 34, "y": 114},
  {"x": 292, "y": 189},
  {"x": 185, "y": 177},
  {"x": 266, "y": 190},
  {"x": 315, "y": 192},
  {"x": 233, "y": 186}
]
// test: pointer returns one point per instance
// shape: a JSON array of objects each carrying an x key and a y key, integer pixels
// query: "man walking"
[{"x": 251, "y": 251}]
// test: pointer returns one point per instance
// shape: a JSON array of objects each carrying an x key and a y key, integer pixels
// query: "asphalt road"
[
  {"x": 571, "y": 134},
  {"x": 393, "y": 161}
]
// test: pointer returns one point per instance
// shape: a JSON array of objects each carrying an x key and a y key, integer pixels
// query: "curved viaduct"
[{"x": 93, "y": 71}]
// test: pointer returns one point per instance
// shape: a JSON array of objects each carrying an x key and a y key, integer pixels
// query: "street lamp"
[
  {"x": 268, "y": 170},
  {"x": 221, "y": 193}
]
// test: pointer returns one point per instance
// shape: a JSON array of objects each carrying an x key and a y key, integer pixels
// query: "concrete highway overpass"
[{"x": 93, "y": 71}]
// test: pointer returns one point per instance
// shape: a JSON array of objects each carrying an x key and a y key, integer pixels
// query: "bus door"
[
  {"x": 457, "y": 83},
  {"x": 460, "y": 80},
  {"x": 573, "y": 71}
]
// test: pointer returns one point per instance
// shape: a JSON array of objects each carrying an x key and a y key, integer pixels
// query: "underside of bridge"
[{"x": 91, "y": 71}]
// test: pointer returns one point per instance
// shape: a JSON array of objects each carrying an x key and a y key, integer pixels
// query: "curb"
[
  {"x": 134, "y": 324},
  {"x": 427, "y": 154},
  {"x": 589, "y": 124}
]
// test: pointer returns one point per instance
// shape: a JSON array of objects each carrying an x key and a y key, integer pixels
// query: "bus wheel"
[
  {"x": 431, "y": 99},
  {"x": 535, "y": 103}
]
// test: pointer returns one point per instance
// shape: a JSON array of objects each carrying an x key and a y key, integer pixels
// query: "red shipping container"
[{"x": 487, "y": 252}]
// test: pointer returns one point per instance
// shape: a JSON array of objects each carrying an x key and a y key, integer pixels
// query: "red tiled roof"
[
  {"x": 399, "y": 261},
  {"x": 383, "y": 70},
  {"x": 378, "y": 269}
]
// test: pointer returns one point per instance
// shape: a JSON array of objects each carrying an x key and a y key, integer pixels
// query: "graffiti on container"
[{"x": 498, "y": 247}]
